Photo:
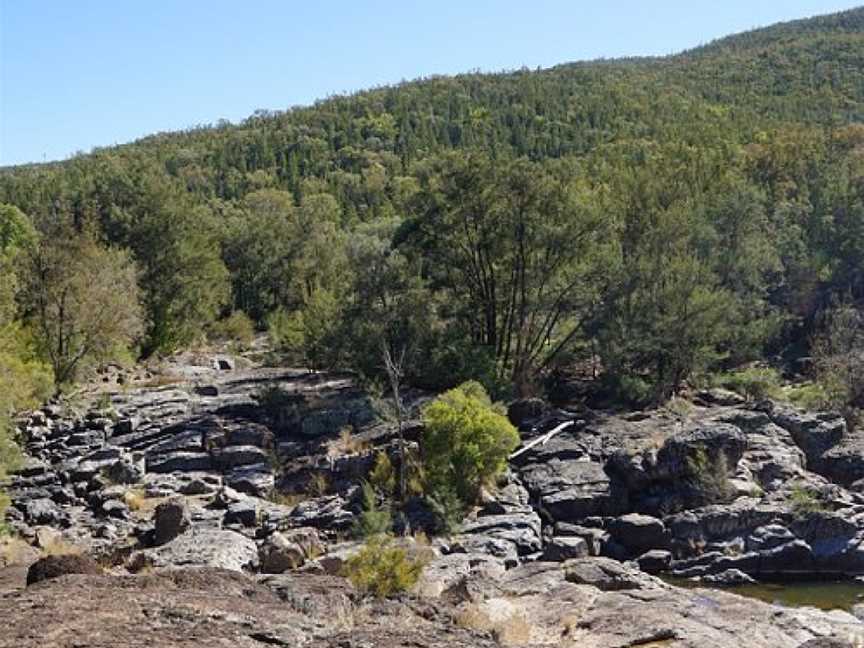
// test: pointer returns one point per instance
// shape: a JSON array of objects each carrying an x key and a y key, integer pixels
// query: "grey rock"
[
  {"x": 639, "y": 533},
  {"x": 655, "y": 561},
  {"x": 171, "y": 519},
  {"x": 562, "y": 548},
  {"x": 244, "y": 513}
]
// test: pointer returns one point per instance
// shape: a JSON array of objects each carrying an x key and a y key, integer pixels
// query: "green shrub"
[
  {"x": 710, "y": 475},
  {"x": 284, "y": 330},
  {"x": 374, "y": 519},
  {"x": 754, "y": 383},
  {"x": 383, "y": 569},
  {"x": 382, "y": 477},
  {"x": 237, "y": 327},
  {"x": 466, "y": 441},
  {"x": 809, "y": 396},
  {"x": 804, "y": 501},
  {"x": 448, "y": 509}
]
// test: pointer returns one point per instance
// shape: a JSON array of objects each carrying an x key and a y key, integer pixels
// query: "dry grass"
[
  {"x": 134, "y": 499},
  {"x": 57, "y": 546},
  {"x": 319, "y": 484},
  {"x": 347, "y": 443},
  {"x": 507, "y": 623},
  {"x": 159, "y": 380},
  {"x": 14, "y": 551},
  {"x": 287, "y": 499}
]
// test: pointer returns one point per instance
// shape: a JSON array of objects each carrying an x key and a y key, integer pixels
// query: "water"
[{"x": 826, "y": 595}]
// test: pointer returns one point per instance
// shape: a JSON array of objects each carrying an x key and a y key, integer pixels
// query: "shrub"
[
  {"x": 284, "y": 330},
  {"x": 754, "y": 383},
  {"x": 237, "y": 327},
  {"x": 804, "y": 501},
  {"x": 809, "y": 396},
  {"x": 466, "y": 441},
  {"x": 382, "y": 477},
  {"x": 375, "y": 519},
  {"x": 710, "y": 476},
  {"x": 319, "y": 484},
  {"x": 383, "y": 569}
]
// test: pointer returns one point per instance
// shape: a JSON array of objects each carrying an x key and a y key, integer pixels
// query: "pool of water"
[{"x": 827, "y": 595}]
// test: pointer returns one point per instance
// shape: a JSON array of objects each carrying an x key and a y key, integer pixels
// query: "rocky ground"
[{"x": 219, "y": 509}]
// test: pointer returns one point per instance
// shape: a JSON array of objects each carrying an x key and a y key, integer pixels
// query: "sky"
[{"x": 75, "y": 74}]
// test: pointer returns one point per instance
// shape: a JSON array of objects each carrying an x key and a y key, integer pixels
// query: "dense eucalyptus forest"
[{"x": 646, "y": 223}]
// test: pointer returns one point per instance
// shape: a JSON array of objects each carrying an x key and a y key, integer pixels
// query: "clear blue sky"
[{"x": 81, "y": 73}]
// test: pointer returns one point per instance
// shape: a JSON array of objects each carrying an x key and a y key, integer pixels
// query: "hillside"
[{"x": 765, "y": 123}]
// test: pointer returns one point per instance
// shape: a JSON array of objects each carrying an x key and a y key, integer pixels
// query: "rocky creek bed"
[{"x": 566, "y": 551}]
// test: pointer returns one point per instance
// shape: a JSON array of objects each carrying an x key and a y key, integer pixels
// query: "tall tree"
[{"x": 83, "y": 299}]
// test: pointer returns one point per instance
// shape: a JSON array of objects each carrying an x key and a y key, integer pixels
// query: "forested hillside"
[{"x": 652, "y": 221}]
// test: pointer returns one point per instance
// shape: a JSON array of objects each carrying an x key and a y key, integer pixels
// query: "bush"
[
  {"x": 382, "y": 477},
  {"x": 710, "y": 476},
  {"x": 383, "y": 569},
  {"x": 375, "y": 519},
  {"x": 805, "y": 501},
  {"x": 284, "y": 330},
  {"x": 754, "y": 383},
  {"x": 466, "y": 441},
  {"x": 809, "y": 396},
  {"x": 237, "y": 327}
]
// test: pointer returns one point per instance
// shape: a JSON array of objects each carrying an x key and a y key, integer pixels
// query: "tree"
[
  {"x": 24, "y": 380},
  {"x": 466, "y": 441},
  {"x": 259, "y": 247},
  {"x": 83, "y": 300},
  {"x": 512, "y": 243},
  {"x": 838, "y": 358}
]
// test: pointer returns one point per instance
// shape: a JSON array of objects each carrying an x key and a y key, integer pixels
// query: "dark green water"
[{"x": 827, "y": 595}]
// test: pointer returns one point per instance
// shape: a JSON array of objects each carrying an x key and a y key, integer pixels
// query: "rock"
[
  {"x": 220, "y": 548},
  {"x": 182, "y": 461},
  {"x": 124, "y": 471},
  {"x": 729, "y": 577},
  {"x": 329, "y": 512},
  {"x": 722, "y": 397},
  {"x": 115, "y": 509},
  {"x": 655, "y": 561},
  {"x": 253, "y": 479},
  {"x": 239, "y": 455},
  {"x": 639, "y": 533},
  {"x": 171, "y": 518},
  {"x": 561, "y": 548},
  {"x": 606, "y": 575},
  {"x": 244, "y": 513},
  {"x": 815, "y": 434},
  {"x": 572, "y": 489},
  {"x": 522, "y": 530},
  {"x": 207, "y": 390},
  {"x": 593, "y": 537},
  {"x": 127, "y": 425},
  {"x": 199, "y": 486},
  {"x": 44, "y": 511},
  {"x": 258, "y": 436},
  {"x": 49, "y": 567},
  {"x": 768, "y": 537},
  {"x": 278, "y": 554},
  {"x": 446, "y": 573}
]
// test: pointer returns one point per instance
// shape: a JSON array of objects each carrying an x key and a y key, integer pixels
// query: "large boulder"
[
  {"x": 639, "y": 533},
  {"x": 50, "y": 567},
  {"x": 171, "y": 519},
  {"x": 204, "y": 548},
  {"x": 284, "y": 551},
  {"x": 815, "y": 434}
]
